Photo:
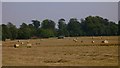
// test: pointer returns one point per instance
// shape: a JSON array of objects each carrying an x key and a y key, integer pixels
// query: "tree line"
[{"x": 90, "y": 26}]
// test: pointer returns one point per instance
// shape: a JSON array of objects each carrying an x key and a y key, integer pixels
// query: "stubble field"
[{"x": 62, "y": 52}]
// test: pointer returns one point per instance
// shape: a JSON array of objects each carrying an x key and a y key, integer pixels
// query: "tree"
[
  {"x": 74, "y": 27},
  {"x": 24, "y": 32},
  {"x": 32, "y": 30},
  {"x": 45, "y": 33},
  {"x": 95, "y": 25},
  {"x": 119, "y": 28},
  {"x": 48, "y": 28},
  {"x": 91, "y": 25},
  {"x": 48, "y": 24},
  {"x": 36, "y": 23},
  {"x": 62, "y": 28},
  {"x": 13, "y": 31},
  {"x": 113, "y": 28},
  {"x": 0, "y": 32},
  {"x": 5, "y": 32}
]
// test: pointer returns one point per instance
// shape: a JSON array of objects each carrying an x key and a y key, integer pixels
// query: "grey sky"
[
  {"x": 118, "y": 10},
  {"x": 0, "y": 12},
  {"x": 19, "y": 12}
]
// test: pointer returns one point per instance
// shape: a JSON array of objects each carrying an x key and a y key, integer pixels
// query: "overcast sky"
[
  {"x": 19, "y": 12},
  {"x": 0, "y": 12}
]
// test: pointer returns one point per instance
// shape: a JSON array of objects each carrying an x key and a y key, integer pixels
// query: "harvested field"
[{"x": 62, "y": 52}]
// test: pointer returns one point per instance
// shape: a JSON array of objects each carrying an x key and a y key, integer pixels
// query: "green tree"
[
  {"x": 91, "y": 25},
  {"x": 47, "y": 27},
  {"x": 13, "y": 31},
  {"x": 5, "y": 32},
  {"x": 0, "y": 32},
  {"x": 74, "y": 27},
  {"x": 32, "y": 30},
  {"x": 119, "y": 28},
  {"x": 45, "y": 33},
  {"x": 36, "y": 23},
  {"x": 48, "y": 24},
  {"x": 95, "y": 25},
  {"x": 62, "y": 28},
  {"x": 113, "y": 28},
  {"x": 24, "y": 32}
]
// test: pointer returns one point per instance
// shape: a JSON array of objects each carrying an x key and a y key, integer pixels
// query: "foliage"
[
  {"x": 90, "y": 26},
  {"x": 13, "y": 30},
  {"x": 46, "y": 33},
  {"x": 62, "y": 28},
  {"x": 48, "y": 24},
  {"x": 47, "y": 28},
  {"x": 0, "y": 32},
  {"x": 119, "y": 28},
  {"x": 24, "y": 32},
  {"x": 73, "y": 27},
  {"x": 36, "y": 23}
]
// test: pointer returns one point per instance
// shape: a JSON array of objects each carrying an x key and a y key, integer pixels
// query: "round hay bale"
[
  {"x": 93, "y": 41},
  {"x": 16, "y": 45},
  {"x": 75, "y": 40},
  {"x": 29, "y": 45},
  {"x": 105, "y": 41}
]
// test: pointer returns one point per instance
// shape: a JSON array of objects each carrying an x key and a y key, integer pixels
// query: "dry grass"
[{"x": 62, "y": 52}]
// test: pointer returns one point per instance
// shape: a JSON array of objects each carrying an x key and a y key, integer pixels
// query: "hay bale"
[
  {"x": 75, "y": 40},
  {"x": 29, "y": 45},
  {"x": 16, "y": 45},
  {"x": 105, "y": 41},
  {"x": 93, "y": 41}
]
